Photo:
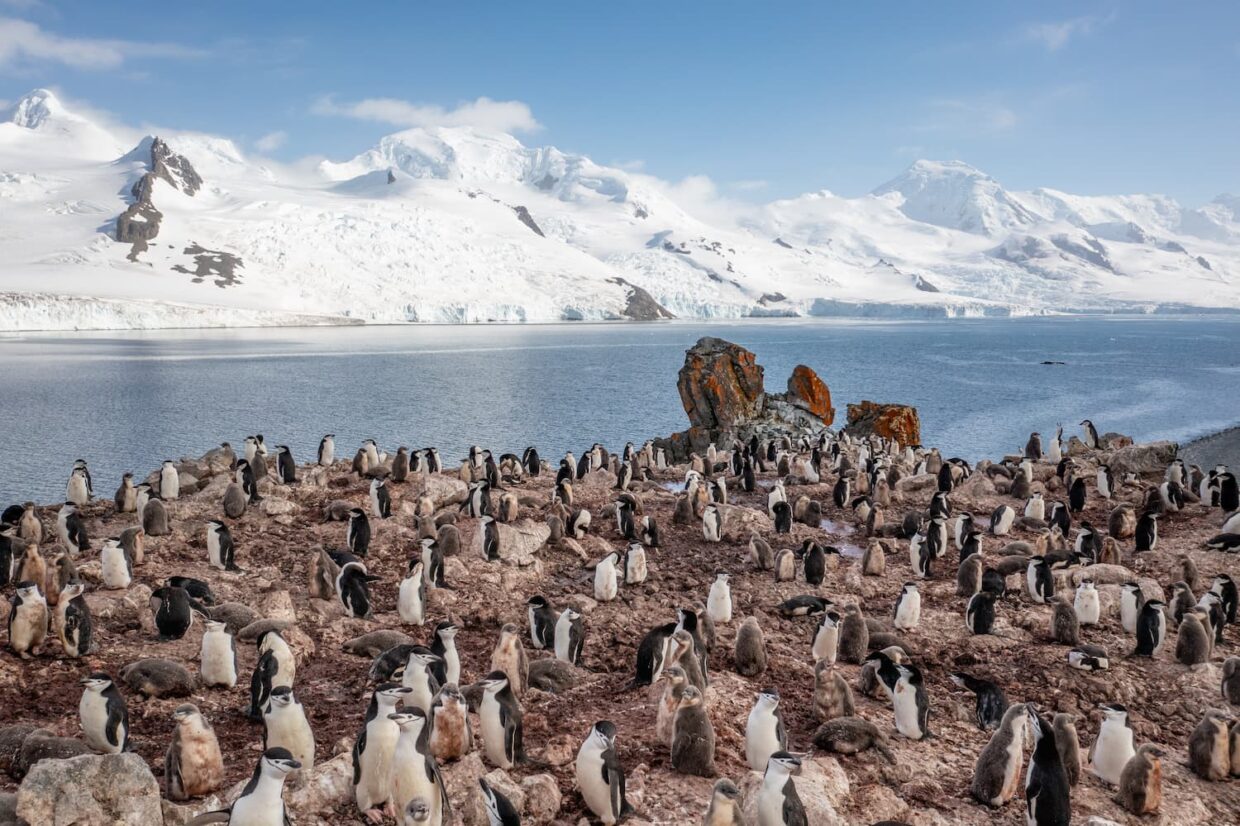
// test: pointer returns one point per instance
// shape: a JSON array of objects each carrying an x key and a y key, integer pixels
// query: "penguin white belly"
[
  {"x": 594, "y": 791},
  {"x": 218, "y": 665},
  {"x": 263, "y": 807},
  {"x": 93, "y": 710},
  {"x": 1031, "y": 581},
  {"x": 286, "y": 671},
  {"x": 77, "y": 493},
  {"x": 213, "y": 550},
  {"x": 409, "y": 780},
  {"x": 563, "y": 638},
  {"x": 760, "y": 739},
  {"x": 169, "y": 484},
  {"x": 1088, "y": 609},
  {"x": 605, "y": 582},
  {"x": 418, "y": 679},
  {"x": 287, "y": 727},
  {"x": 1128, "y": 614},
  {"x": 1112, "y": 751},
  {"x": 771, "y": 800},
  {"x": 29, "y": 627},
  {"x": 909, "y": 612},
  {"x": 376, "y": 763},
  {"x": 1036, "y": 509},
  {"x": 409, "y": 602},
  {"x": 826, "y": 644},
  {"x": 452, "y": 666},
  {"x": 493, "y": 732},
  {"x": 719, "y": 603},
  {"x": 113, "y": 570},
  {"x": 635, "y": 568},
  {"x": 904, "y": 700}
]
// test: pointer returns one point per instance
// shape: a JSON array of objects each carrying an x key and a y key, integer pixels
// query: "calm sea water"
[{"x": 128, "y": 401}]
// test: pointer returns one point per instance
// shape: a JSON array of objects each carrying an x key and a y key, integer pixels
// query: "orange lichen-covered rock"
[
  {"x": 891, "y": 421},
  {"x": 720, "y": 384},
  {"x": 807, "y": 391}
]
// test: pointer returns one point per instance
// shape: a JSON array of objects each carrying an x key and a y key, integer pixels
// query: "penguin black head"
[
  {"x": 769, "y": 696},
  {"x": 408, "y": 716},
  {"x": 97, "y": 681},
  {"x": 785, "y": 761},
  {"x": 604, "y": 730},
  {"x": 537, "y": 601},
  {"x": 280, "y": 761},
  {"x": 495, "y": 681},
  {"x": 282, "y": 696},
  {"x": 446, "y": 630},
  {"x": 391, "y": 691}
]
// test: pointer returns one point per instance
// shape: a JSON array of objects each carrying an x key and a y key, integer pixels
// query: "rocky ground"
[{"x": 928, "y": 785}]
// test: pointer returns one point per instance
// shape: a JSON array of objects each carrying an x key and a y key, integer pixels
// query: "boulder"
[
  {"x": 721, "y": 387},
  {"x": 1147, "y": 458},
  {"x": 91, "y": 790},
  {"x": 810, "y": 393},
  {"x": 720, "y": 384},
  {"x": 542, "y": 798},
  {"x": 8, "y": 809},
  {"x": 891, "y": 421},
  {"x": 327, "y": 788},
  {"x": 913, "y": 484},
  {"x": 521, "y": 540},
  {"x": 821, "y": 785},
  {"x": 739, "y": 522},
  {"x": 442, "y": 490}
]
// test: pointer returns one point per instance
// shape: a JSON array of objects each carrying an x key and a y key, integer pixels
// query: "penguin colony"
[{"x": 421, "y": 570}]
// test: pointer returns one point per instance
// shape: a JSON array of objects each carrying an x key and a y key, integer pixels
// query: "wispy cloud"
[
  {"x": 23, "y": 42},
  {"x": 635, "y": 165},
  {"x": 952, "y": 115},
  {"x": 271, "y": 141},
  {"x": 749, "y": 185},
  {"x": 483, "y": 113},
  {"x": 1054, "y": 36}
]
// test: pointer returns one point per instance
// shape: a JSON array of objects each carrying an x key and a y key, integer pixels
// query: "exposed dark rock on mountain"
[
  {"x": 524, "y": 216},
  {"x": 220, "y": 266},
  {"x": 641, "y": 305},
  {"x": 139, "y": 223}
]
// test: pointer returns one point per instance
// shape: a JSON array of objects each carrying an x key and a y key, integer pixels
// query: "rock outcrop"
[
  {"x": 1147, "y": 458},
  {"x": 891, "y": 421},
  {"x": 722, "y": 389},
  {"x": 91, "y": 790}
]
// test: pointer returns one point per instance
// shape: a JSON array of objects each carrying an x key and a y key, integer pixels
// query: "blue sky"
[{"x": 766, "y": 99}]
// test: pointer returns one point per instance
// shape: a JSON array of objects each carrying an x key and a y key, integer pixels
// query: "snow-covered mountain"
[{"x": 460, "y": 225}]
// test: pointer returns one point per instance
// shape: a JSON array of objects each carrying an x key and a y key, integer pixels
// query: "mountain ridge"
[{"x": 454, "y": 224}]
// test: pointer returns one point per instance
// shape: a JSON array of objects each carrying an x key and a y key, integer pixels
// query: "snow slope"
[{"x": 459, "y": 225}]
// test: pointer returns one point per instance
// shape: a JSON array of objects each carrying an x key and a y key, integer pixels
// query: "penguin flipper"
[{"x": 359, "y": 746}]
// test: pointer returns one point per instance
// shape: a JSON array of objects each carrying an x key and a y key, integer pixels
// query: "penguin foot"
[{"x": 375, "y": 815}]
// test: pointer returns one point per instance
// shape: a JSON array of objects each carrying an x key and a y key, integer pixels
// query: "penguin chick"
[
  {"x": 832, "y": 695},
  {"x": 750, "y": 651},
  {"x": 724, "y": 808},
  {"x": 193, "y": 765},
  {"x": 693, "y": 736},
  {"x": 1140, "y": 784},
  {"x": 1209, "y": 750},
  {"x": 996, "y": 775}
]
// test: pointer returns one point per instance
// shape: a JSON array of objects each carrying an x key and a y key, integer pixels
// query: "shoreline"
[
  {"x": 346, "y": 322},
  {"x": 1219, "y": 448}
]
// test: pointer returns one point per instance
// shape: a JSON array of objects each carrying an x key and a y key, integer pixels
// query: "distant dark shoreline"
[{"x": 1218, "y": 448}]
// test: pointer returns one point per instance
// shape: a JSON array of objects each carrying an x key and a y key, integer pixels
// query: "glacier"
[{"x": 460, "y": 225}]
